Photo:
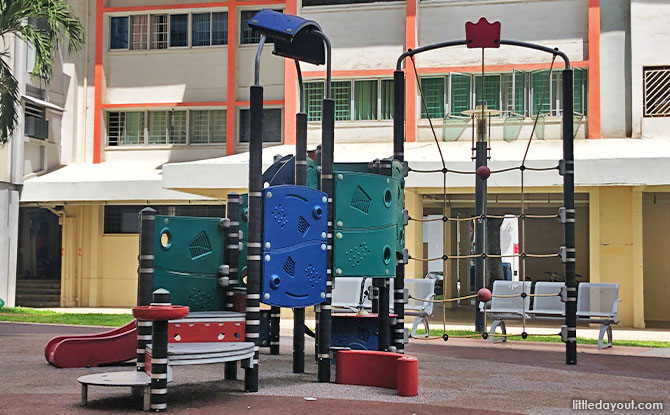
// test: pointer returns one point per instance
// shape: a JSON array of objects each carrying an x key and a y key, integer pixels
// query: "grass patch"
[
  {"x": 31, "y": 315},
  {"x": 555, "y": 339}
]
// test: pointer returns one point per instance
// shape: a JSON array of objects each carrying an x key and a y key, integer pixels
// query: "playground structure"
[{"x": 304, "y": 225}]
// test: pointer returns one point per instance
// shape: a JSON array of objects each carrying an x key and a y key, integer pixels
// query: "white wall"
[
  {"x": 561, "y": 24},
  {"x": 650, "y": 34}
]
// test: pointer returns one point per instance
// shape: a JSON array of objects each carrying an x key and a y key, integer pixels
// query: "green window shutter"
[
  {"x": 365, "y": 100},
  {"x": 433, "y": 93},
  {"x": 579, "y": 89},
  {"x": 178, "y": 127},
  {"x": 460, "y": 94},
  {"x": 134, "y": 128},
  {"x": 387, "y": 99},
  {"x": 314, "y": 93},
  {"x": 217, "y": 126},
  {"x": 540, "y": 89},
  {"x": 342, "y": 95},
  {"x": 158, "y": 127},
  {"x": 520, "y": 93},
  {"x": 199, "y": 126},
  {"x": 491, "y": 91}
]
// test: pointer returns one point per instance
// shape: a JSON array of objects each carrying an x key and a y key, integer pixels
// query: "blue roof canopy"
[{"x": 293, "y": 36}]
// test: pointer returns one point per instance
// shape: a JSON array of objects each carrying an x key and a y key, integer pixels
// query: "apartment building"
[{"x": 155, "y": 113}]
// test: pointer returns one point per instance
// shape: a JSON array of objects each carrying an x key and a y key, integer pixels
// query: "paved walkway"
[{"x": 457, "y": 377}]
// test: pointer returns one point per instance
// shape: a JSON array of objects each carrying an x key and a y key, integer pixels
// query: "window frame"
[
  {"x": 150, "y": 34},
  {"x": 145, "y": 141},
  {"x": 352, "y": 98},
  {"x": 238, "y": 118}
]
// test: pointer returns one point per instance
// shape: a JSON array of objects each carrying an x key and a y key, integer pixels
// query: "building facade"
[{"x": 156, "y": 113}]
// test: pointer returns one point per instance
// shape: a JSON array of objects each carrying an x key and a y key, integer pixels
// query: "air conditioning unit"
[{"x": 36, "y": 127}]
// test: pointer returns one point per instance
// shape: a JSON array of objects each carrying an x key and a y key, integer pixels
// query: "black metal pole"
[
  {"x": 145, "y": 274},
  {"x": 254, "y": 265},
  {"x": 569, "y": 226},
  {"x": 383, "y": 321},
  {"x": 480, "y": 222},
  {"x": 327, "y": 185},
  {"x": 399, "y": 154},
  {"x": 301, "y": 180},
  {"x": 159, "y": 356},
  {"x": 232, "y": 259}
]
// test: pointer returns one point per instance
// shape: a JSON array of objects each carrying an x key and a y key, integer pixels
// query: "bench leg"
[
  {"x": 425, "y": 324},
  {"x": 146, "y": 404},
  {"x": 605, "y": 329},
  {"x": 230, "y": 371},
  {"x": 84, "y": 395},
  {"x": 503, "y": 329}
]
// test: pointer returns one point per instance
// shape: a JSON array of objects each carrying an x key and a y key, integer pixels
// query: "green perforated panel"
[
  {"x": 187, "y": 255},
  {"x": 365, "y": 252},
  {"x": 364, "y": 200}
]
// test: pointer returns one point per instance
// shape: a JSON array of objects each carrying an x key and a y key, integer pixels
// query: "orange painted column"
[
  {"x": 290, "y": 79},
  {"x": 230, "y": 87},
  {"x": 594, "y": 69},
  {"x": 98, "y": 80},
  {"x": 410, "y": 83}
]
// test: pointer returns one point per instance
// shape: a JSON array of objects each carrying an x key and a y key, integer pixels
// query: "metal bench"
[
  {"x": 507, "y": 308},
  {"x": 597, "y": 303},
  {"x": 347, "y": 295},
  {"x": 424, "y": 289}
]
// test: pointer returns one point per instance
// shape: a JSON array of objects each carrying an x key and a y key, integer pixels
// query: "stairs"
[{"x": 37, "y": 293}]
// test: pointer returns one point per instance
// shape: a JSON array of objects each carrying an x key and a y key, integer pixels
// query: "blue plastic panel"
[{"x": 294, "y": 246}]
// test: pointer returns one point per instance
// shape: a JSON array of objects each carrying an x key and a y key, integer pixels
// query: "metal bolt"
[
  {"x": 267, "y": 258},
  {"x": 165, "y": 221},
  {"x": 323, "y": 247},
  {"x": 387, "y": 272},
  {"x": 267, "y": 245},
  {"x": 323, "y": 234},
  {"x": 338, "y": 271},
  {"x": 338, "y": 235},
  {"x": 340, "y": 177},
  {"x": 324, "y": 199},
  {"x": 266, "y": 296},
  {"x": 339, "y": 223},
  {"x": 269, "y": 194},
  {"x": 323, "y": 295}
]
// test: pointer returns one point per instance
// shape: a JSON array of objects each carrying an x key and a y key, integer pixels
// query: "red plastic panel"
[
  {"x": 482, "y": 34},
  {"x": 113, "y": 346},
  {"x": 210, "y": 332},
  {"x": 381, "y": 369}
]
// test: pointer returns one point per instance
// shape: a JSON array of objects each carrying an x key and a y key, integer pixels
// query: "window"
[
  {"x": 247, "y": 34},
  {"x": 208, "y": 126},
  {"x": 341, "y": 91},
  {"x": 433, "y": 91},
  {"x": 138, "y": 32},
  {"x": 209, "y": 29},
  {"x": 159, "y": 31},
  {"x": 178, "y": 30},
  {"x": 119, "y": 33},
  {"x": 272, "y": 125},
  {"x": 515, "y": 93},
  {"x": 125, "y": 219},
  {"x": 387, "y": 99},
  {"x": 314, "y": 93},
  {"x": 307, "y": 3},
  {"x": 365, "y": 100},
  {"x": 166, "y": 127},
  {"x": 372, "y": 99}
]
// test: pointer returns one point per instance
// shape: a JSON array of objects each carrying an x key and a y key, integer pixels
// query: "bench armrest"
[{"x": 615, "y": 310}]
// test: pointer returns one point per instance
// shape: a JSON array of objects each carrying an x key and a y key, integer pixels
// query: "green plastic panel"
[
  {"x": 312, "y": 174},
  {"x": 187, "y": 255},
  {"x": 365, "y": 252},
  {"x": 365, "y": 200}
]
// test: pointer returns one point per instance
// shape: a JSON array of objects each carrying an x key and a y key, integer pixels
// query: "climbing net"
[{"x": 482, "y": 220}]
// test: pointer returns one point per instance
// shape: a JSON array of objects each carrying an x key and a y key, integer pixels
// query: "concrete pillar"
[
  {"x": 616, "y": 247},
  {"x": 414, "y": 233}
]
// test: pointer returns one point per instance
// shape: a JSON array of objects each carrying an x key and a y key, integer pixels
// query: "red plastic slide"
[{"x": 113, "y": 346}]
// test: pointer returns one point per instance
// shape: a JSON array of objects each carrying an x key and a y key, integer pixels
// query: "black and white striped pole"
[
  {"x": 399, "y": 154},
  {"x": 145, "y": 280},
  {"x": 159, "y": 355},
  {"x": 232, "y": 259},
  {"x": 254, "y": 266}
]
